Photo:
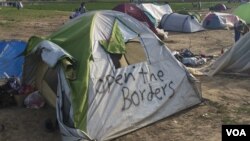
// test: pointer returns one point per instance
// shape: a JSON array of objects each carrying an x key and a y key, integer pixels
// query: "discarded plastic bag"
[{"x": 34, "y": 100}]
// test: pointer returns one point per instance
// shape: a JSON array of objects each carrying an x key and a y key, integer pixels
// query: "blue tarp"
[{"x": 11, "y": 57}]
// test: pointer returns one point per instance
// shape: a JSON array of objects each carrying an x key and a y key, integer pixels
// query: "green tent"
[
  {"x": 111, "y": 74},
  {"x": 243, "y": 12}
]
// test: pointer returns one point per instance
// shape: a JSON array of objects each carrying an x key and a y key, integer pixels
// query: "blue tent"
[
  {"x": 11, "y": 57},
  {"x": 214, "y": 21}
]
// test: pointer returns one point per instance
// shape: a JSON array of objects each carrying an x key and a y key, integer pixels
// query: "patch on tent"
[
  {"x": 116, "y": 43},
  {"x": 69, "y": 68}
]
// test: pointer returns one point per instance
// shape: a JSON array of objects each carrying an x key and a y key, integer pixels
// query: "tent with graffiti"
[
  {"x": 137, "y": 13},
  {"x": 243, "y": 12},
  {"x": 180, "y": 23},
  {"x": 156, "y": 10},
  {"x": 235, "y": 60},
  {"x": 114, "y": 76},
  {"x": 11, "y": 58},
  {"x": 217, "y": 20}
]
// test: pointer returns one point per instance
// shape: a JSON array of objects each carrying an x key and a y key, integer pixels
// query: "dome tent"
[
  {"x": 180, "y": 23},
  {"x": 217, "y": 20},
  {"x": 114, "y": 76},
  {"x": 195, "y": 14}
]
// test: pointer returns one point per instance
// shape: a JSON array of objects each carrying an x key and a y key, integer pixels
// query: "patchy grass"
[
  {"x": 71, "y": 6},
  {"x": 204, "y": 5},
  {"x": 14, "y": 15},
  {"x": 244, "y": 109},
  {"x": 65, "y": 6},
  {"x": 228, "y": 120},
  {"x": 223, "y": 112}
]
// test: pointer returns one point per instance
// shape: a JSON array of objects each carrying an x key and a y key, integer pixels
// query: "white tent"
[
  {"x": 236, "y": 60},
  {"x": 180, "y": 23},
  {"x": 117, "y": 76},
  {"x": 157, "y": 11}
]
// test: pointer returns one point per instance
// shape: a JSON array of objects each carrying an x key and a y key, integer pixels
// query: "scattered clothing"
[
  {"x": 194, "y": 61},
  {"x": 188, "y": 58},
  {"x": 34, "y": 100}
]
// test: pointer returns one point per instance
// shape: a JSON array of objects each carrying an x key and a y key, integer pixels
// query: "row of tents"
[{"x": 163, "y": 17}]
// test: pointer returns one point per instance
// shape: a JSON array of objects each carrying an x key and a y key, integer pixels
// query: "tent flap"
[{"x": 116, "y": 43}]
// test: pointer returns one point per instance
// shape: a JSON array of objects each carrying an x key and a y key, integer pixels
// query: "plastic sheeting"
[{"x": 11, "y": 57}]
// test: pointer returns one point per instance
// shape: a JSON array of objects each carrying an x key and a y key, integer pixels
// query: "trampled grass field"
[{"x": 70, "y": 6}]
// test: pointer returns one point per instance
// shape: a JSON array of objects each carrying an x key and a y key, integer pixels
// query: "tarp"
[
  {"x": 243, "y": 12},
  {"x": 105, "y": 92},
  {"x": 236, "y": 60},
  {"x": 217, "y": 20},
  {"x": 156, "y": 10},
  {"x": 11, "y": 57},
  {"x": 180, "y": 23}
]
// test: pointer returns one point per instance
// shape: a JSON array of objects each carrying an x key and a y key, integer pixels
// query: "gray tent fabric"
[
  {"x": 180, "y": 23},
  {"x": 120, "y": 99},
  {"x": 236, "y": 60}
]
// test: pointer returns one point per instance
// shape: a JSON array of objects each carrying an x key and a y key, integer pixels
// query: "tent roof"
[
  {"x": 243, "y": 12},
  {"x": 195, "y": 14},
  {"x": 180, "y": 23},
  {"x": 220, "y": 6},
  {"x": 135, "y": 12},
  {"x": 156, "y": 10},
  {"x": 218, "y": 20}
]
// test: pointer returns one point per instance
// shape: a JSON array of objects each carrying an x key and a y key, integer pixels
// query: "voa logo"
[{"x": 236, "y": 132}]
